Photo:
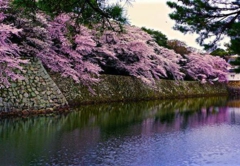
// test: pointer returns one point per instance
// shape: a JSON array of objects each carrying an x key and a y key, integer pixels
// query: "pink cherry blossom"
[{"x": 83, "y": 54}]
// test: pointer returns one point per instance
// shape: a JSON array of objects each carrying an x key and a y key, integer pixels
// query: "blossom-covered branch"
[
  {"x": 81, "y": 53},
  {"x": 9, "y": 52}
]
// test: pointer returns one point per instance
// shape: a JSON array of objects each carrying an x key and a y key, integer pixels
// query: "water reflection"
[{"x": 107, "y": 134}]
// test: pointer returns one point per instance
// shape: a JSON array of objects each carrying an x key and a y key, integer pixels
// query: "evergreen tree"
[
  {"x": 219, "y": 52},
  {"x": 212, "y": 20},
  {"x": 158, "y": 36},
  {"x": 87, "y": 12},
  {"x": 208, "y": 18}
]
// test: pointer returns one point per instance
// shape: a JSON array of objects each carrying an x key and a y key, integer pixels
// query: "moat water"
[{"x": 197, "y": 131}]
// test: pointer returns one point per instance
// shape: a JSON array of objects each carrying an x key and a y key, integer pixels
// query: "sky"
[{"x": 153, "y": 14}]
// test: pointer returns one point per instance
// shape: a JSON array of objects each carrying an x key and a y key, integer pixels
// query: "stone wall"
[
  {"x": 124, "y": 88},
  {"x": 36, "y": 91},
  {"x": 39, "y": 90}
]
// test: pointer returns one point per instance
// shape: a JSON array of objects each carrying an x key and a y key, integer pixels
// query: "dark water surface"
[{"x": 199, "y": 131}]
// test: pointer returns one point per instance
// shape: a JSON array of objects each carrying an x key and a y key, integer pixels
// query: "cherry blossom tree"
[
  {"x": 68, "y": 50},
  {"x": 59, "y": 49},
  {"x": 9, "y": 52},
  {"x": 82, "y": 53},
  {"x": 206, "y": 68},
  {"x": 134, "y": 52}
]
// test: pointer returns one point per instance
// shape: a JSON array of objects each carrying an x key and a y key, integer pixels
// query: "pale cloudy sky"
[{"x": 154, "y": 14}]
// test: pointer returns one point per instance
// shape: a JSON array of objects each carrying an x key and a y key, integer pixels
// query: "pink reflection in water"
[{"x": 191, "y": 119}]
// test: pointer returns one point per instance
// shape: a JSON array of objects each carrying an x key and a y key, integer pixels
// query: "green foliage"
[
  {"x": 158, "y": 36},
  {"x": 117, "y": 13},
  {"x": 87, "y": 12},
  {"x": 211, "y": 19},
  {"x": 235, "y": 43},
  {"x": 235, "y": 38},
  {"x": 219, "y": 52}
]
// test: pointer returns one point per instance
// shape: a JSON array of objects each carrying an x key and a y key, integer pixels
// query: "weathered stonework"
[
  {"x": 36, "y": 91},
  {"x": 40, "y": 91},
  {"x": 125, "y": 88}
]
